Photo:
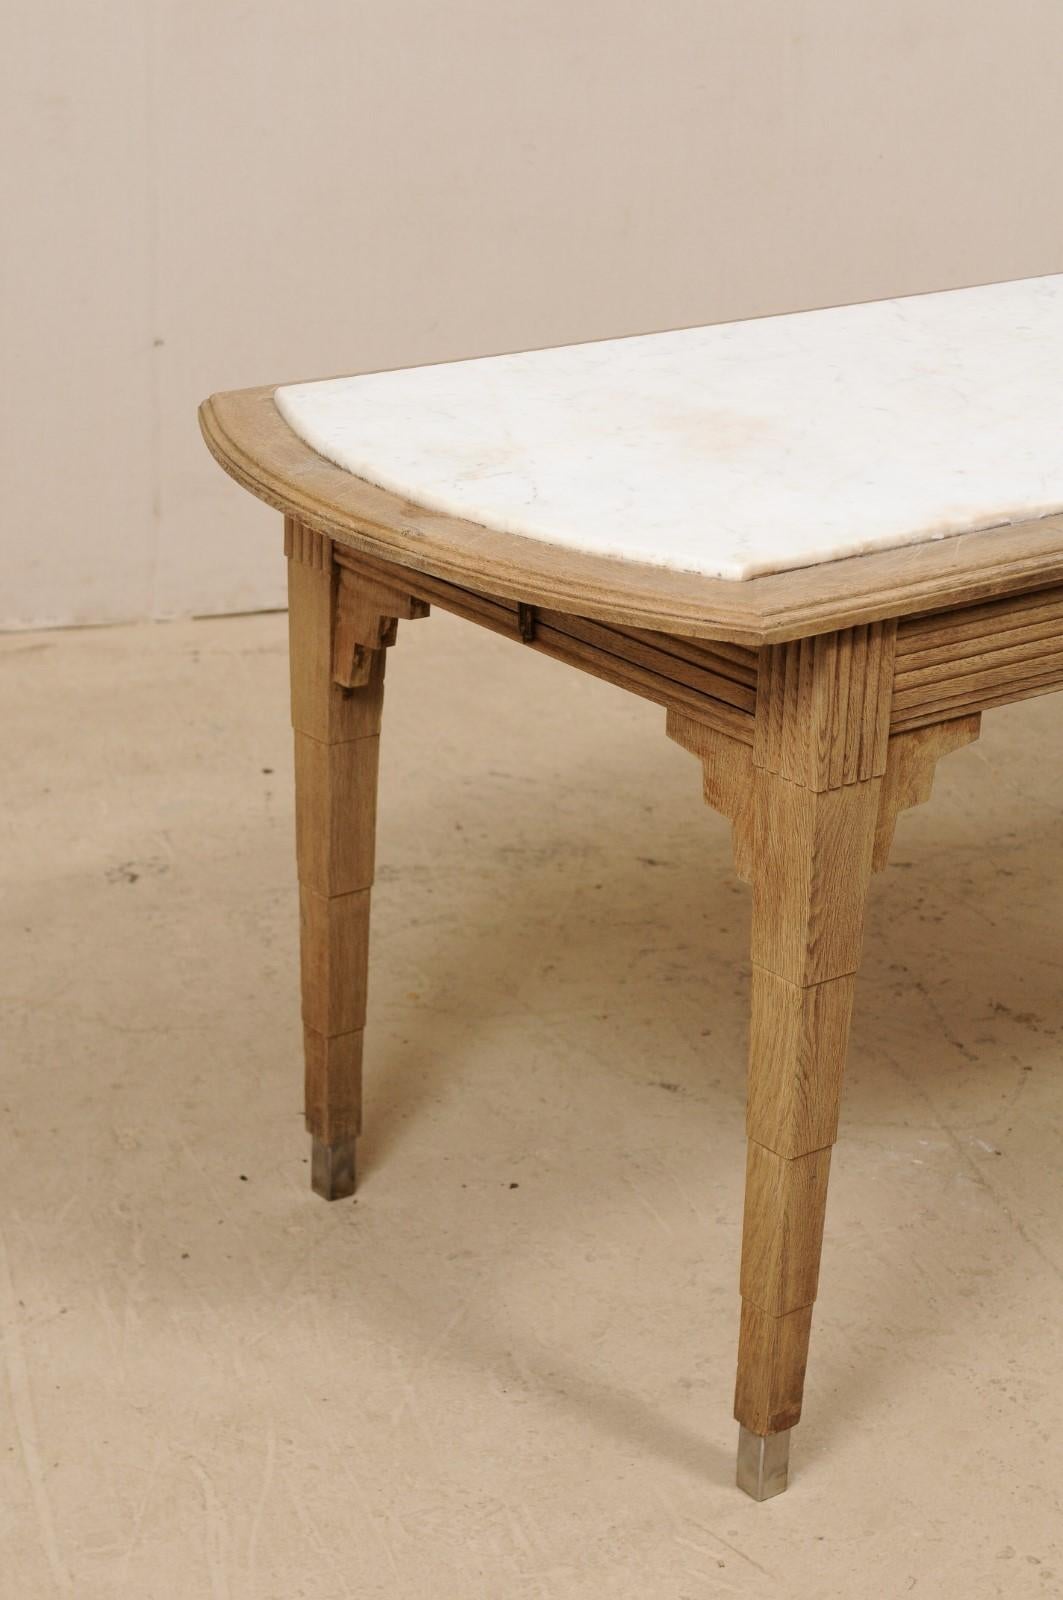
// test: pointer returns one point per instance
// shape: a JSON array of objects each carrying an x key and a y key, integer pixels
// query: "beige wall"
[{"x": 201, "y": 194}]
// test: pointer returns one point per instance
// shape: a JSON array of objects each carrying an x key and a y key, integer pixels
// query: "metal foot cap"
[
  {"x": 763, "y": 1462},
  {"x": 332, "y": 1169}
]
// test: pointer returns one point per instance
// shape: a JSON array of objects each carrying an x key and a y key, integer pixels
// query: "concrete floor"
[{"x": 506, "y": 1368}]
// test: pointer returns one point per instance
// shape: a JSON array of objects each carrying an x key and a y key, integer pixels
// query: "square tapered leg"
[{"x": 336, "y": 742}]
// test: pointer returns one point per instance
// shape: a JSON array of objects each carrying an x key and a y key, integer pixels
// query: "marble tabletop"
[{"x": 732, "y": 450}]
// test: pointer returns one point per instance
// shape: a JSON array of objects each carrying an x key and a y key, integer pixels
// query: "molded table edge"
[{"x": 250, "y": 439}]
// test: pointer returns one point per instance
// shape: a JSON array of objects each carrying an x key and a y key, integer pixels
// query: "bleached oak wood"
[
  {"x": 947, "y": 708},
  {"x": 565, "y": 644},
  {"x": 977, "y": 626},
  {"x": 808, "y": 828},
  {"x": 819, "y": 749},
  {"x": 335, "y": 812},
  {"x": 916, "y": 694},
  {"x": 805, "y": 800},
  {"x": 727, "y": 768},
  {"x": 818, "y": 703},
  {"x": 911, "y": 761},
  {"x": 321, "y": 709},
  {"x": 706, "y": 677},
  {"x": 716, "y": 681},
  {"x": 365, "y": 622},
  {"x": 334, "y": 1103},
  {"x": 813, "y": 857},
  {"x": 797, "y": 1046},
  {"x": 773, "y": 1356},
  {"x": 782, "y": 1236},
  {"x": 1030, "y": 646},
  {"x": 336, "y": 729},
  {"x": 250, "y": 439},
  {"x": 828, "y": 706},
  {"x": 994, "y": 655},
  {"x": 334, "y": 944}
]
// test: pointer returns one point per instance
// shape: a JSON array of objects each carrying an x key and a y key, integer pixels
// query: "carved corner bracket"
[
  {"x": 819, "y": 724},
  {"x": 911, "y": 762},
  {"x": 727, "y": 765},
  {"x": 365, "y": 612},
  {"x": 367, "y": 620}
]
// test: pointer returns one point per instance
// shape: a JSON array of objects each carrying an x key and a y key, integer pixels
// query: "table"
[{"x": 825, "y": 543}]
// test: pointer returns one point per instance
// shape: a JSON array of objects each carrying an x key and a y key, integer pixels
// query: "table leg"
[
  {"x": 336, "y": 744},
  {"x": 819, "y": 752},
  {"x": 807, "y": 802},
  {"x": 811, "y": 871}
]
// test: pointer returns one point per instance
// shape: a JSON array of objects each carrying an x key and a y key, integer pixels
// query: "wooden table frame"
[{"x": 818, "y": 703}]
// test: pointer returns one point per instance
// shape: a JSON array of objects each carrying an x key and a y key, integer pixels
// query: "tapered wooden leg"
[
  {"x": 818, "y": 757},
  {"x": 337, "y": 643},
  {"x": 808, "y": 802},
  {"x": 814, "y": 803}
]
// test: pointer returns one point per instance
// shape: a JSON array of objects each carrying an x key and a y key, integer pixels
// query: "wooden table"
[{"x": 818, "y": 702}]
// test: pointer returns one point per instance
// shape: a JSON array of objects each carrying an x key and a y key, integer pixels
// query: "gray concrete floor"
[{"x": 505, "y": 1369}]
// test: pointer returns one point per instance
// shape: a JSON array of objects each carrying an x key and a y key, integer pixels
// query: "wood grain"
[
  {"x": 727, "y": 780},
  {"x": 490, "y": 611},
  {"x": 321, "y": 708},
  {"x": 252, "y": 442},
  {"x": 919, "y": 692},
  {"x": 307, "y": 546},
  {"x": 782, "y": 1235},
  {"x": 718, "y": 682},
  {"x": 366, "y": 620},
  {"x": 336, "y": 733},
  {"x": 772, "y": 1357},
  {"x": 947, "y": 665},
  {"x": 827, "y": 706},
  {"x": 333, "y": 1086},
  {"x": 564, "y": 643},
  {"x": 796, "y": 1059},
  {"x": 977, "y": 624},
  {"x": 946, "y": 707},
  {"x": 817, "y": 701},
  {"x": 911, "y": 762},
  {"x": 813, "y": 857},
  {"x": 971, "y": 659},
  {"x": 335, "y": 812},
  {"x": 820, "y": 746},
  {"x": 334, "y": 959}
]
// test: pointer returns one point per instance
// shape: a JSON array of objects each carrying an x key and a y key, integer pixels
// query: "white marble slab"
[{"x": 744, "y": 448}]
